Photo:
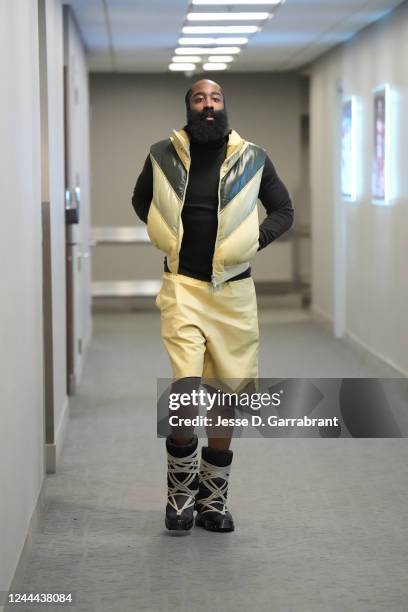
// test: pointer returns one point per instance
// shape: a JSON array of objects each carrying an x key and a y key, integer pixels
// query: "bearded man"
[{"x": 198, "y": 193}]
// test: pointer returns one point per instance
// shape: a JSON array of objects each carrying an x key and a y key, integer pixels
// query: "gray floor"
[{"x": 321, "y": 525}]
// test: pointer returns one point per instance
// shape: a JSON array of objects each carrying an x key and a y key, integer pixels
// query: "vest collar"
[{"x": 181, "y": 142}]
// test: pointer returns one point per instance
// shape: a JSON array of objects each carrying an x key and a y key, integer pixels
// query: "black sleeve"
[
  {"x": 276, "y": 200},
  {"x": 143, "y": 191}
]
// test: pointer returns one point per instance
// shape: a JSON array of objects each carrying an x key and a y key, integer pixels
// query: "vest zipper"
[
  {"x": 213, "y": 281},
  {"x": 214, "y": 285}
]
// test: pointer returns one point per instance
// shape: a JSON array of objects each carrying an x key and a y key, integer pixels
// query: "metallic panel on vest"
[
  {"x": 248, "y": 164},
  {"x": 166, "y": 157},
  {"x": 240, "y": 208},
  {"x": 165, "y": 200},
  {"x": 242, "y": 244},
  {"x": 160, "y": 233}
]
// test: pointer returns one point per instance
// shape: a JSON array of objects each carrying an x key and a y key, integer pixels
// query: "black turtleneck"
[{"x": 199, "y": 214}]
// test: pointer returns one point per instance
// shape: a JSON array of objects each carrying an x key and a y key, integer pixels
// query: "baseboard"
[
  {"x": 26, "y": 551},
  {"x": 53, "y": 451},
  {"x": 52, "y": 456},
  {"x": 356, "y": 341},
  {"x": 322, "y": 317}
]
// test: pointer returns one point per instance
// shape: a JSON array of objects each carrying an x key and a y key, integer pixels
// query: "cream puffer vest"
[{"x": 238, "y": 225}]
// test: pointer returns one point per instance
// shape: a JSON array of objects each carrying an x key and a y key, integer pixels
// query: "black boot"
[
  {"x": 211, "y": 500},
  {"x": 182, "y": 482}
]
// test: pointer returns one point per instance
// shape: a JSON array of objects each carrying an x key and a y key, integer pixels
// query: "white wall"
[
  {"x": 21, "y": 341},
  {"x": 130, "y": 112},
  {"x": 22, "y": 439},
  {"x": 375, "y": 253}
]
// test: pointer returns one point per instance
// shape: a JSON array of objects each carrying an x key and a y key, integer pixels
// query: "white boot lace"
[
  {"x": 218, "y": 494},
  {"x": 186, "y": 465}
]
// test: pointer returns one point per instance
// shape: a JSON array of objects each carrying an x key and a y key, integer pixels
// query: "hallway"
[
  {"x": 223, "y": 140},
  {"x": 305, "y": 512}
]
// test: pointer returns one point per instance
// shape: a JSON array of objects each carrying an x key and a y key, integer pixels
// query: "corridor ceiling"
[{"x": 141, "y": 35}]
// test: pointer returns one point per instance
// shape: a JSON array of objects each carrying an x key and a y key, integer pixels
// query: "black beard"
[{"x": 203, "y": 131}]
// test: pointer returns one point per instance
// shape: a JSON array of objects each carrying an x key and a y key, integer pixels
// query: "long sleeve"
[
  {"x": 277, "y": 202},
  {"x": 143, "y": 191}
]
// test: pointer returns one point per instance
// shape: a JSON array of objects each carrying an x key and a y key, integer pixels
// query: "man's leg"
[
  {"x": 219, "y": 437},
  {"x": 221, "y": 443},
  {"x": 182, "y": 461},
  {"x": 231, "y": 357},
  {"x": 216, "y": 458},
  {"x": 182, "y": 435},
  {"x": 185, "y": 344}
]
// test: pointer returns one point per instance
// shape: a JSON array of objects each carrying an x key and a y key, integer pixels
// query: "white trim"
[
  {"x": 322, "y": 317},
  {"x": 53, "y": 451},
  {"x": 27, "y": 549},
  {"x": 355, "y": 340}
]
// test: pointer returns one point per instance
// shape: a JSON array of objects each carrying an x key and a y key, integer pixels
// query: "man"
[{"x": 198, "y": 194}]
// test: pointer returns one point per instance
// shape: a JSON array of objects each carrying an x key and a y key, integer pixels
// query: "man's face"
[
  {"x": 207, "y": 118},
  {"x": 206, "y": 94}
]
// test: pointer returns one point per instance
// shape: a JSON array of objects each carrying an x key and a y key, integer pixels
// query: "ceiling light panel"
[
  {"x": 182, "y": 67},
  {"x": 237, "y": 2},
  {"x": 236, "y": 29},
  {"x": 233, "y": 40},
  {"x": 207, "y": 50},
  {"x": 212, "y": 66},
  {"x": 227, "y": 16}
]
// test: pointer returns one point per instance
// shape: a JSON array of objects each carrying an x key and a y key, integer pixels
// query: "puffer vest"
[{"x": 238, "y": 224}]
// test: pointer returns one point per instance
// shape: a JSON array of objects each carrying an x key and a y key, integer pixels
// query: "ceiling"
[{"x": 141, "y": 35}]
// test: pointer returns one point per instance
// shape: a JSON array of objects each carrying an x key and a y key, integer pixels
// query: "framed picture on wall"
[
  {"x": 380, "y": 182},
  {"x": 348, "y": 150}
]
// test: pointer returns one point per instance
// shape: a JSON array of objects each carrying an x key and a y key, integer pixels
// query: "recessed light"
[
  {"x": 227, "y": 16},
  {"x": 214, "y": 41},
  {"x": 236, "y": 29},
  {"x": 225, "y": 2},
  {"x": 212, "y": 66},
  {"x": 207, "y": 51},
  {"x": 181, "y": 67}
]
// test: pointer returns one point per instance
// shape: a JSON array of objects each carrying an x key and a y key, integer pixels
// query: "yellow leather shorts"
[{"x": 209, "y": 333}]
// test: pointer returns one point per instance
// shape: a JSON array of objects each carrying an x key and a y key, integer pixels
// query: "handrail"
[
  {"x": 129, "y": 234},
  {"x": 126, "y": 234}
]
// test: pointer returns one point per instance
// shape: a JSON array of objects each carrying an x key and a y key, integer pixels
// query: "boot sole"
[
  {"x": 179, "y": 525},
  {"x": 221, "y": 527}
]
